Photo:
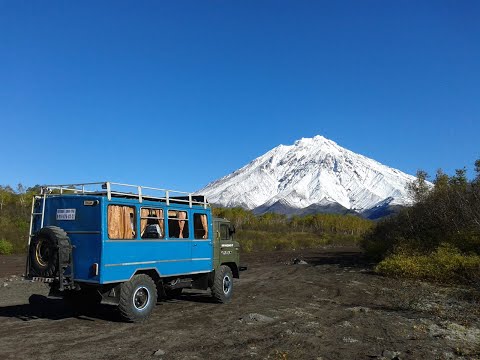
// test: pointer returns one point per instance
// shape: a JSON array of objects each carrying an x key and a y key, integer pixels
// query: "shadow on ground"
[{"x": 41, "y": 307}]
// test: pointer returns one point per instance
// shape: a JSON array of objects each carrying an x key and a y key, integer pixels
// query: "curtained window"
[
  {"x": 121, "y": 222},
  {"x": 178, "y": 224},
  {"x": 152, "y": 223},
  {"x": 200, "y": 226}
]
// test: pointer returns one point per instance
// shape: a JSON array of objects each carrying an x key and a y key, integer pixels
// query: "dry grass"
[{"x": 255, "y": 240}]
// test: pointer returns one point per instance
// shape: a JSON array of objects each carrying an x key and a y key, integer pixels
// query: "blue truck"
[{"x": 129, "y": 245}]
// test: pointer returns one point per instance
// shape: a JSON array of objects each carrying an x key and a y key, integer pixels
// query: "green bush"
[
  {"x": 6, "y": 247},
  {"x": 446, "y": 264}
]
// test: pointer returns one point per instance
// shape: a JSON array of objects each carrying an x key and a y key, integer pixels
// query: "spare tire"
[{"x": 45, "y": 248}]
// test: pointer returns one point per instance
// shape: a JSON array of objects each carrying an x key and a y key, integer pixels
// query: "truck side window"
[
  {"x": 121, "y": 222},
  {"x": 200, "y": 226},
  {"x": 152, "y": 223},
  {"x": 224, "y": 234},
  {"x": 178, "y": 224}
]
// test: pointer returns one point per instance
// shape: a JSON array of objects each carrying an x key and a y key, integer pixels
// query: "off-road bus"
[{"x": 129, "y": 245}]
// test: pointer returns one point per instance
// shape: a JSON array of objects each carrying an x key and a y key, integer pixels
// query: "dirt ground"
[{"x": 332, "y": 307}]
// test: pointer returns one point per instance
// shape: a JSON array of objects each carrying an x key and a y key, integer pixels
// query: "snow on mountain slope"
[{"x": 312, "y": 171}]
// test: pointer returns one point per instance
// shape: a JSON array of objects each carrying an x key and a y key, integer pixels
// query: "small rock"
[
  {"x": 436, "y": 331},
  {"x": 257, "y": 317},
  {"x": 393, "y": 355},
  {"x": 358, "y": 309},
  {"x": 448, "y": 355},
  {"x": 5, "y": 284},
  {"x": 355, "y": 282},
  {"x": 349, "y": 340},
  {"x": 299, "y": 262},
  {"x": 159, "y": 352}
]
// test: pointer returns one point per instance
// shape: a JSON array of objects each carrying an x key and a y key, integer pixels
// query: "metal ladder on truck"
[{"x": 33, "y": 216}]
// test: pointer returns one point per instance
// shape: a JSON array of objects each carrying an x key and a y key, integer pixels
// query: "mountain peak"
[
  {"x": 317, "y": 139},
  {"x": 313, "y": 173}
]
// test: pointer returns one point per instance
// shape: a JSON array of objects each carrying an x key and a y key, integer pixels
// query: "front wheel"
[
  {"x": 222, "y": 289},
  {"x": 137, "y": 298}
]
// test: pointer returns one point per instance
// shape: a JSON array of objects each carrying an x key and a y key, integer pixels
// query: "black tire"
[
  {"x": 222, "y": 289},
  {"x": 137, "y": 298},
  {"x": 44, "y": 251}
]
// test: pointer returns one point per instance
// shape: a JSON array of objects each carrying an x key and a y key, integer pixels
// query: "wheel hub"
[
  {"x": 227, "y": 284},
  {"x": 141, "y": 298},
  {"x": 42, "y": 253}
]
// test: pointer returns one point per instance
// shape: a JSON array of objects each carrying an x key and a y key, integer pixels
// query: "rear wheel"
[
  {"x": 137, "y": 298},
  {"x": 222, "y": 289}
]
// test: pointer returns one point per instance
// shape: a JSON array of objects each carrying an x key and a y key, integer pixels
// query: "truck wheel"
[
  {"x": 44, "y": 250},
  {"x": 222, "y": 288},
  {"x": 137, "y": 298}
]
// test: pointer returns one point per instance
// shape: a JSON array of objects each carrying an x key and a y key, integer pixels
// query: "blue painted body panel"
[
  {"x": 118, "y": 260},
  {"x": 84, "y": 232}
]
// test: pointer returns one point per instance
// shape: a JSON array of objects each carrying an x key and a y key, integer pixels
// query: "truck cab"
[{"x": 227, "y": 250}]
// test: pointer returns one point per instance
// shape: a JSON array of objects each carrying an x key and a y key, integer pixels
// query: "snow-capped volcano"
[{"x": 313, "y": 173}]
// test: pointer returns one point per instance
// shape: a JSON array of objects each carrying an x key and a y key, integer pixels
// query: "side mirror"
[{"x": 232, "y": 230}]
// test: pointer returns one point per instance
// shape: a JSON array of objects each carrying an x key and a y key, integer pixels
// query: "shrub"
[
  {"x": 246, "y": 245},
  {"x": 6, "y": 247},
  {"x": 448, "y": 212},
  {"x": 447, "y": 264}
]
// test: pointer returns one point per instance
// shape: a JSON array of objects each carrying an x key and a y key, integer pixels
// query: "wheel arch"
[
  {"x": 152, "y": 272},
  {"x": 233, "y": 266}
]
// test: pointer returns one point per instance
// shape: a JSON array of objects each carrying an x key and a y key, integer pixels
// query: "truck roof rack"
[{"x": 113, "y": 189}]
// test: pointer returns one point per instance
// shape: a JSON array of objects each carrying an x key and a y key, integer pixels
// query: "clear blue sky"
[{"x": 177, "y": 94}]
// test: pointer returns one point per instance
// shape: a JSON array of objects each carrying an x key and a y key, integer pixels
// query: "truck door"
[{"x": 202, "y": 243}]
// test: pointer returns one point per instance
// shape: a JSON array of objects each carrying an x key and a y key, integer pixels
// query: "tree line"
[
  {"x": 447, "y": 212},
  {"x": 348, "y": 225},
  {"x": 15, "y": 207}
]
